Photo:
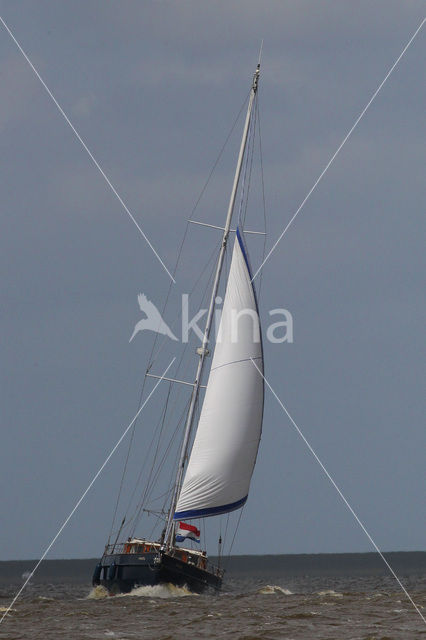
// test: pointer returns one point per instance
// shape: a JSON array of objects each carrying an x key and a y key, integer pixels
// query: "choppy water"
[{"x": 251, "y": 606}]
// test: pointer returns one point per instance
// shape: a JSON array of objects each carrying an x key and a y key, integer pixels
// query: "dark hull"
[{"x": 120, "y": 573}]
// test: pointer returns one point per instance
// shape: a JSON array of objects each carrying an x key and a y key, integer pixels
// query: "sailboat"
[{"x": 218, "y": 451}]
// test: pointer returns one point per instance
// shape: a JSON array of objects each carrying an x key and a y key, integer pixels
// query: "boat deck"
[{"x": 138, "y": 562}]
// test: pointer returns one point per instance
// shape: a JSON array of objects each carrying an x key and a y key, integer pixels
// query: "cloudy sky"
[{"x": 154, "y": 88}]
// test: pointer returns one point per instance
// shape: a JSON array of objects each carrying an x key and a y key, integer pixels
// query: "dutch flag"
[{"x": 187, "y": 531}]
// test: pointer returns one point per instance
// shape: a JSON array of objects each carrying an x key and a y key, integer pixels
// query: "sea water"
[{"x": 288, "y": 597}]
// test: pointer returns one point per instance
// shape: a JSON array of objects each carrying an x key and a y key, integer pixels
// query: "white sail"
[{"x": 224, "y": 452}]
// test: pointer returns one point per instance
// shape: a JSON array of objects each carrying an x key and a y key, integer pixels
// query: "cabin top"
[{"x": 132, "y": 541}]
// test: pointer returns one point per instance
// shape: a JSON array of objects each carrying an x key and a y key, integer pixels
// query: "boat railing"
[
  {"x": 131, "y": 547},
  {"x": 196, "y": 559},
  {"x": 112, "y": 549}
]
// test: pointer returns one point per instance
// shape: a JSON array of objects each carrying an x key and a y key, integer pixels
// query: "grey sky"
[{"x": 154, "y": 88}]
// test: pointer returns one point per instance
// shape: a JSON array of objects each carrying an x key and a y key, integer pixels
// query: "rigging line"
[
  {"x": 151, "y": 471},
  {"x": 243, "y": 184},
  {"x": 361, "y": 524},
  {"x": 170, "y": 485},
  {"x": 138, "y": 510},
  {"x": 207, "y": 265},
  {"x": 194, "y": 208},
  {"x": 162, "y": 495},
  {"x": 155, "y": 525},
  {"x": 163, "y": 309},
  {"x": 227, "y": 525},
  {"x": 345, "y": 139},
  {"x": 144, "y": 498},
  {"x": 152, "y": 357},
  {"x": 131, "y": 520},
  {"x": 259, "y": 289},
  {"x": 250, "y": 170},
  {"x": 226, "y": 532},
  {"x": 142, "y": 469},
  {"x": 159, "y": 517},
  {"x": 121, "y": 484},
  {"x": 219, "y": 156},
  {"x": 260, "y": 52},
  {"x": 127, "y": 459},
  {"x": 132, "y": 435},
  {"x": 235, "y": 532},
  {"x": 84, "y": 494},
  {"x": 86, "y": 148},
  {"x": 168, "y": 498}
]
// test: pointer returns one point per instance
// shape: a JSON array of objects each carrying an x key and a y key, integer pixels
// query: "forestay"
[{"x": 224, "y": 452}]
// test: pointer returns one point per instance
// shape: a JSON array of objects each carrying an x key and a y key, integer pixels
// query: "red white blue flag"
[{"x": 186, "y": 531}]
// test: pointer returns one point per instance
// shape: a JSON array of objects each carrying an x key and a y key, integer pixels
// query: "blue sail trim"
[
  {"x": 242, "y": 244},
  {"x": 244, "y": 250},
  {"x": 210, "y": 511}
]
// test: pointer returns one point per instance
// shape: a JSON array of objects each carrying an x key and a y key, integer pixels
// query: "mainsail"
[{"x": 225, "y": 446}]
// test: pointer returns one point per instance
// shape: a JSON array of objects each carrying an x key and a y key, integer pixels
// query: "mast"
[{"x": 203, "y": 350}]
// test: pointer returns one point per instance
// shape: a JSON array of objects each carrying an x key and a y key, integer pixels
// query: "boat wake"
[
  {"x": 157, "y": 591},
  {"x": 272, "y": 588},
  {"x": 167, "y": 590}
]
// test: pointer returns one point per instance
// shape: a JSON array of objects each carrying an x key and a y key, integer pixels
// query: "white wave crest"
[
  {"x": 98, "y": 593},
  {"x": 273, "y": 588},
  {"x": 330, "y": 592}
]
